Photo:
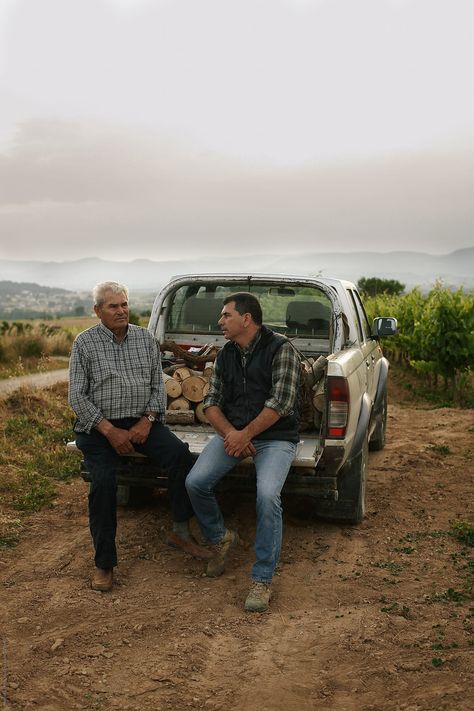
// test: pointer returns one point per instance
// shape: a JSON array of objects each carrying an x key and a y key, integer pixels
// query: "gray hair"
[{"x": 100, "y": 289}]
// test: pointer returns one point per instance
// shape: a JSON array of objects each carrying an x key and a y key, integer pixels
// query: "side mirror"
[{"x": 384, "y": 326}]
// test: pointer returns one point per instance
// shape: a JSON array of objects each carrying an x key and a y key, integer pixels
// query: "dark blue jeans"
[{"x": 101, "y": 459}]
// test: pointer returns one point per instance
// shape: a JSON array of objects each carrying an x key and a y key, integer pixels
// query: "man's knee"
[
  {"x": 196, "y": 481},
  {"x": 191, "y": 483},
  {"x": 268, "y": 498}
]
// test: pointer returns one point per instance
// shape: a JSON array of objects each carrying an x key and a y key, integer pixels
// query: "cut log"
[
  {"x": 179, "y": 403},
  {"x": 181, "y": 374},
  {"x": 179, "y": 417},
  {"x": 193, "y": 388},
  {"x": 205, "y": 390},
  {"x": 200, "y": 414},
  {"x": 172, "y": 386}
]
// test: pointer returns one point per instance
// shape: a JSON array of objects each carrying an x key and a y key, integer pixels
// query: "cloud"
[
  {"x": 282, "y": 80},
  {"x": 71, "y": 189}
]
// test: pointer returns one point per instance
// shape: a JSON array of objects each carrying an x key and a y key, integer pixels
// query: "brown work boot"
[
  {"x": 103, "y": 579},
  {"x": 189, "y": 545},
  {"x": 258, "y": 598},
  {"x": 216, "y": 565}
]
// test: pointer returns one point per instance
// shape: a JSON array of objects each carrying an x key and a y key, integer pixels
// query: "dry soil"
[{"x": 371, "y": 617}]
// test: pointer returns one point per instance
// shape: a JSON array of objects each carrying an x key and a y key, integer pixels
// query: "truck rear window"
[{"x": 294, "y": 311}]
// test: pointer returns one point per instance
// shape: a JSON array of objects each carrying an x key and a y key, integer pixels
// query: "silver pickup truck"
[{"x": 344, "y": 379}]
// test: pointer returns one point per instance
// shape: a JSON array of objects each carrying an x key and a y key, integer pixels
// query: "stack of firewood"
[
  {"x": 312, "y": 392},
  {"x": 185, "y": 390}
]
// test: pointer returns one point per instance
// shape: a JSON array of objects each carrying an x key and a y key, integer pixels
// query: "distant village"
[{"x": 24, "y": 300}]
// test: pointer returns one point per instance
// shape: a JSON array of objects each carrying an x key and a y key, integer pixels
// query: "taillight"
[{"x": 338, "y": 407}]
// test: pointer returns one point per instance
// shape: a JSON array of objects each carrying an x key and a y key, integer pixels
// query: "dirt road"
[
  {"x": 368, "y": 618},
  {"x": 38, "y": 380}
]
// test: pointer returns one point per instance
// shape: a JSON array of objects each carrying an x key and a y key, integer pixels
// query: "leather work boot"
[
  {"x": 189, "y": 545},
  {"x": 258, "y": 598},
  {"x": 216, "y": 565},
  {"x": 103, "y": 579}
]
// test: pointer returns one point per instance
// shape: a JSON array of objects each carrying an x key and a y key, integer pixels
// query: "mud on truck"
[{"x": 343, "y": 393}]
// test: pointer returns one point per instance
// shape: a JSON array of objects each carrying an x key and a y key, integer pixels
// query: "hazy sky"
[{"x": 155, "y": 128}]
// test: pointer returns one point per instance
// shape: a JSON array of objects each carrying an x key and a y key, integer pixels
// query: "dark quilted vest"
[{"x": 247, "y": 386}]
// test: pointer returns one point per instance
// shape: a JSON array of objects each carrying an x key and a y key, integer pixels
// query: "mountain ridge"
[{"x": 411, "y": 268}]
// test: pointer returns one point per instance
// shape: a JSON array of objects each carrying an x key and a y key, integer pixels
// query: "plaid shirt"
[
  {"x": 286, "y": 370},
  {"x": 115, "y": 380}
]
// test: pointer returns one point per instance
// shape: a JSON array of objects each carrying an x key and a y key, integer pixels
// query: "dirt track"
[
  {"x": 362, "y": 617},
  {"x": 39, "y": 380}
]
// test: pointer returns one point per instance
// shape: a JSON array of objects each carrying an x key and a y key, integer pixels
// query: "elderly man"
[
  {"x": 253, "y": 406},
  {"x": 116, "y": 391}
]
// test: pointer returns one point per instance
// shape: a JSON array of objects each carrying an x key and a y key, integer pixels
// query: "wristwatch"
[{"x": 151, "y": 418}]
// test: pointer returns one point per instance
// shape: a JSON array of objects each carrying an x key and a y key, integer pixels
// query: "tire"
[
  {"x": 377, "y": 441},
  {"x": 352, "y": 481},
  {"x": 133, "y": 495}
]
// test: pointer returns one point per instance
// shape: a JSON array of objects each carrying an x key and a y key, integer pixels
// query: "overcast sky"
[{"x": 156, "y": 128}]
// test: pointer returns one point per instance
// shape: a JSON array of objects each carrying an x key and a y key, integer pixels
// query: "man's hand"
[
  {"x": 140, "y": 431},
  {"x": 237, "y": 443},
  {"x": 120, "y": 440}
]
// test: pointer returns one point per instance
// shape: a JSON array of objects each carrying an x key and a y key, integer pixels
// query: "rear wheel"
[
  {"x": 133, "y": 495},
  {"x": 352, "y": 480},
  {"x": 377, "y": 441}
]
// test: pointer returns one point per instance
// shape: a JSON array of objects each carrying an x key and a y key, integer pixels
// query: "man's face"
[
  {"x": 113, "y": 312},
  {"x": 231, "y": 322}
]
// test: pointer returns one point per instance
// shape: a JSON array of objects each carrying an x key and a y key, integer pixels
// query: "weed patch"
[
  {"x": 463, "y": 532},
  {"x": 442, "y": 449},
  {"x": 34, "y": 428},
  {"x": 394, "y": 568},
  {"x": 451, "y": 595},
  {"x": 9, "y": 531},
  {"x": 396, "y": 609}
]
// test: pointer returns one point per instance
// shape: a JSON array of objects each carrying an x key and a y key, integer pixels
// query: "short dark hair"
[{"x": 246, "y": 303}]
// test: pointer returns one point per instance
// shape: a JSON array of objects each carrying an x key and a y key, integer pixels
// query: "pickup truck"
[{"x": 343, "y": 383}]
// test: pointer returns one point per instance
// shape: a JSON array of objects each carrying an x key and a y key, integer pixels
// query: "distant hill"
[
  {"x": 411, "y": 268},
  {"x": 11, "y": 288},
  {"x": 29, "y": 300},
  {"x": 24, "y": 300}
]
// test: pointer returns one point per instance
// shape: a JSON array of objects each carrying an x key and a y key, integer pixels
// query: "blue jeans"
[
  {"x": 163, "y": 448},
  {"x": 272, "y": 463}
]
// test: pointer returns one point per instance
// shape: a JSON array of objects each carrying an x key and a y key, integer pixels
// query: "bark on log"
[
  {"x": 200, "y": 414},
  {"x": 179, "y": 417},
  {"x": 319, "y": 396},
  {"x": 194, "y": 361},
  {"x": 181, "y": 374},
  {"x": 172, "y": 386},
  {"x": 318, "y": 367},
  {"x": 208, "y": 370}
]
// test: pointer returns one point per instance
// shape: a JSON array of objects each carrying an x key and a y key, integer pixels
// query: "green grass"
[
  {"x": 396, "y": 609},
  {"x": 463, "y": 532},
  {"x": 394, "y": 568},
  {"x": 34, "y": 429},
  {"x": 31, "y": 366},
  {"x": 442, "y": 449}
]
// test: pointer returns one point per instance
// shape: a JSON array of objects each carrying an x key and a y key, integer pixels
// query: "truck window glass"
[
  {"x": 299, "y": 311},
  {"x": 363, "y": 317},
  {"x": 355, "y": 313}
]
